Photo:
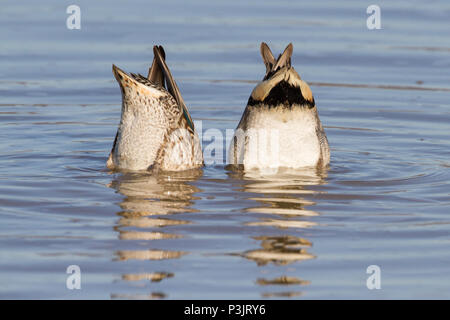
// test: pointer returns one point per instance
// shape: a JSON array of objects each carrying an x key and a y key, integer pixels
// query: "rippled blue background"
[{"x": 382, "y": 95}]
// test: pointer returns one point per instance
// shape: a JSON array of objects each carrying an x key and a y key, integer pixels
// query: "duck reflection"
[
  {"x": 150, "y": 296},
  {"x": 282, "y": 281},
  {"x": 147, "y": 198},
  {"x": 148, "y": 207},
  {"x": 283, "y": 201},
  {"x": 279, "y": 250},
  {"x": 153, "y": 277},
  {"x": 160, "y": 194}
]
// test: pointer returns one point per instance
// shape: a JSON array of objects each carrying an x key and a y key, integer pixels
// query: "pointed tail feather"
[
  {"x": 268, "y": 58},
  {"x": 285, "y": 58},
  {"x": 171, "y": 84},
  {"x": 155, "y": 73}
]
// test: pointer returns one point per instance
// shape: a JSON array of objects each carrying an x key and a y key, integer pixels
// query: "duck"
[
  {"x": 156, "y": 131},
  {"x": 280, "y": 126}
]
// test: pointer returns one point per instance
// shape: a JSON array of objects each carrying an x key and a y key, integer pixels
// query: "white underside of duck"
[
  {"x": 277, "y": 138},
  {"x": 141, "y": 146}
]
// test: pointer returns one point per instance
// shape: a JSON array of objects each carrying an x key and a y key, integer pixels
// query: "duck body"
[
  {"x": 280, "y": 126},
  {"x": 155, "y": 129},
  {"x": 279, "y": 137}
]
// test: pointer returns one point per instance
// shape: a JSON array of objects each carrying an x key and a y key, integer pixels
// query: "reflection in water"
[
  {"x": 148, "y": 254},
  {"x": 147, "y": 198},
  {"x": 141, "y": 222},
  {"x": 280, "y": 198},
  {"x": 136, "y": 235},
  {"x": 161, "y": 194},
  {"x": 280, "y": 250},
  {"x": 153, "y": 277},
  {"x": 283, "y": 223},
  {"x": 151, "y": 296},
  {"x": 280, "y": 208},
  {"x": 288, "y": 294},
  {"x": 282, "y": 281}
]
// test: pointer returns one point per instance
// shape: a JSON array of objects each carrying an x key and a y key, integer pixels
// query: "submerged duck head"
[{"x": 281, "y": 85}]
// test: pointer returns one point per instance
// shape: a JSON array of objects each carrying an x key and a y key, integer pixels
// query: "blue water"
[{"x": 382, "y": 95}]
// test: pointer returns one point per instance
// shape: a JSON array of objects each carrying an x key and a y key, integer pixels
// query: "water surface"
[{"x": 382, "y": 95}]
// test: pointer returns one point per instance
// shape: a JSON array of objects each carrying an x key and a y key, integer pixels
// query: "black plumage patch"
[
  {"x": 270, "y": 73},
  {"x": 285, "y": 94}
]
